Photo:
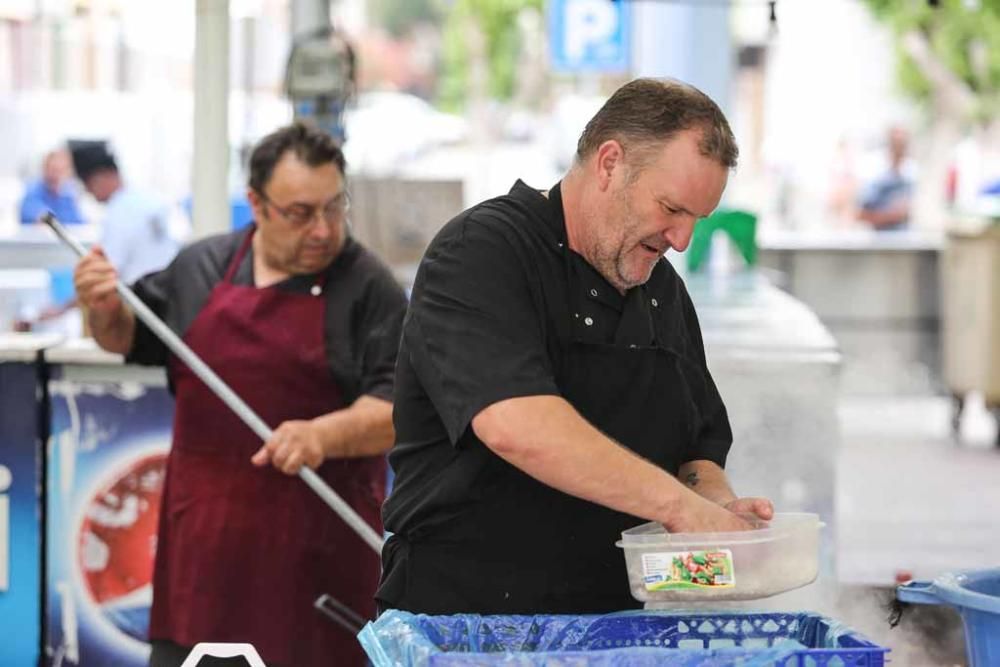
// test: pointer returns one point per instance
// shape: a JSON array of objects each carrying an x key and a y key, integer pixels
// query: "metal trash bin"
[{"x": 971, "y": 312}]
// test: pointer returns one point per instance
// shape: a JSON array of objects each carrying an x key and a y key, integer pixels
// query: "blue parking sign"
[{"x": 589, "y": 35}]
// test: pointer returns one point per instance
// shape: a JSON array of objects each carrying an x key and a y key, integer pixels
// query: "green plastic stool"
[{"x": 741, "y": 227}]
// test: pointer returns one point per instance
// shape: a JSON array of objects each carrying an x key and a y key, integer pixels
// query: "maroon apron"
[{"x": 243, "y": 552}]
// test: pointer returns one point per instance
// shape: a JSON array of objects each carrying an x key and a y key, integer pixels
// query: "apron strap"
[
  {"x": 240, "y": 254},
  {"x": 319, "y": 282}
]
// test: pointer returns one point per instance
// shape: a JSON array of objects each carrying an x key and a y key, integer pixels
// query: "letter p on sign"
[
  {"x": 589, "y": 35},
  {"x": 588, "y": 23}
]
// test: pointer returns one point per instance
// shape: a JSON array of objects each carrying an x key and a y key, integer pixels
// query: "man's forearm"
[
  {"x": 546, "y": 438},
  {"x": 114, "y": 331},
  {"x": 363, "y": 429},
  {"x": 708, "y": 480}
]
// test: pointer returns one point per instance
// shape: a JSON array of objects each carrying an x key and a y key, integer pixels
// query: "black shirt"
[
  {"x": 487, "y": 321},
  {"x": 364, "y": 308}
]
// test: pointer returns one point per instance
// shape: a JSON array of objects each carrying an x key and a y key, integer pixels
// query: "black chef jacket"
[{"x": 496, "y": 300}]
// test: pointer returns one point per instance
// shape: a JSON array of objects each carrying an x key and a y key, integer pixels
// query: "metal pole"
[{"x": 210, "y": 164}]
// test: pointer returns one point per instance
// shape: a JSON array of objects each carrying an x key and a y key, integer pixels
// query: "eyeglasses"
[{"x": 300, "y": 215}]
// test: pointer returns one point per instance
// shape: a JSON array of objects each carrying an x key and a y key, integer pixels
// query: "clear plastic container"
[{"x": 669, "y": 567}]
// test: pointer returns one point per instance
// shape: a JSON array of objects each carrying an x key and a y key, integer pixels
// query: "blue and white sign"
[
  {"x": 20, "y": 514},
  {"x": 108, "y": 447},
  {"x": 589, "y": 35}
]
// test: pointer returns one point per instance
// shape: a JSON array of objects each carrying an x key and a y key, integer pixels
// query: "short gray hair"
[{"x": 644, "y": 112}]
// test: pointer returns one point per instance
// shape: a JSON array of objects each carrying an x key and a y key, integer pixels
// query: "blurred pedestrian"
[
  {"x": 136, "y": 234},
  {"x": 54, "y": 191},
  {"x": 885, "y": 199}
]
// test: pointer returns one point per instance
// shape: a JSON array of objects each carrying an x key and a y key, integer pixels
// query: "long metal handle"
[
  {"x": 222, "y": 390},
  {"x": 339, "y": 613}
]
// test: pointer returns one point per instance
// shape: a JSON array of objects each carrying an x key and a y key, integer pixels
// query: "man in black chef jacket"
[{"x": 551, "y": 385}]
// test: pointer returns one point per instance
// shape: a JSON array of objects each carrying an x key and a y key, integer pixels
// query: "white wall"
[{"x": 830, "y": 77}]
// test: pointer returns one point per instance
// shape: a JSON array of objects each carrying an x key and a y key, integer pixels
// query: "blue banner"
[
  {"x": 20, "y": 515},
  {"x": 107, "y": 455}
]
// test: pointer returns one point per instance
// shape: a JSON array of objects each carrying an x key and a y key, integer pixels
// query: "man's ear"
[
  {"x": 609, "y": 156},
  {"x": 256, "y": 204}
]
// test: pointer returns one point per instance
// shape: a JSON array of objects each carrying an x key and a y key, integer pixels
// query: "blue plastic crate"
[{"x": 636, "y": 639}]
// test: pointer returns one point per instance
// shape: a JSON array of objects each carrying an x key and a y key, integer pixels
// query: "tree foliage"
[
  {"x": 398, "y": 17},
  {"x": 954, "y": 44},
  {"x": 498, "y": 24}
]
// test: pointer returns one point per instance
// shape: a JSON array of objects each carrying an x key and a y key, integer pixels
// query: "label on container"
[{"x": 688, "y": 569}]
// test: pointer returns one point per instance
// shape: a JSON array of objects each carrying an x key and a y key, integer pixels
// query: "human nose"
[
  {"x": 679, "y": 235},
  {"x": 319, "y": 227}
]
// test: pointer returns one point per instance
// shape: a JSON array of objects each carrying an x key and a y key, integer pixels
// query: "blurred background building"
[{"x": 812, "y": 91}]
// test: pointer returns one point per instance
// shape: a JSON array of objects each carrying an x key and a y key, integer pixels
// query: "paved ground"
[
  {"x": 912, "y": 499},
  {"x": 909, "y": 496}
]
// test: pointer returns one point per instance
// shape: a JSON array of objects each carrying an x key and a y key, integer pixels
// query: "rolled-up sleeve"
[
  {"x": 154, "y": 291},
  {"x": 474, "y": 332}
]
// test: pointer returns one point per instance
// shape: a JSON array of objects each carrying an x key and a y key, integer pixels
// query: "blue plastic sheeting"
[
  {"x": 635, "y": 639},
  {"x": 632, "y": 657}
]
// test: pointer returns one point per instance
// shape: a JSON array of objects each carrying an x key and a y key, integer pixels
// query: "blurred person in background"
[
  {"x": 842, "y": 194},
  {"x": 885, "y": 199},
  {"x": 54, "y": 191},
  {"x": 139, "y": 231},
  {"x": 303, "y": 323},
  {"x": 552, "y": 388}
]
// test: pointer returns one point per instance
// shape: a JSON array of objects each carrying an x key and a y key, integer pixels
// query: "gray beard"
[
  {"x": 608, "y": 265},
  {"x": 611, "y": 265}
]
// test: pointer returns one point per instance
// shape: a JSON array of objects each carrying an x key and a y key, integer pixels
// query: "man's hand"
[
  {"x": 752, "y": 509},
  {"x": 699, "y": 515},
  {"x": 293, "y": 444},
  {"x": 112, "y": 323},
  {"x": 709, "y": 481},
  {"x": 95, "y": 281}
]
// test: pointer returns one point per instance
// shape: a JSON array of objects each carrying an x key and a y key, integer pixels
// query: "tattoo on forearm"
[{"x": 692, "y": 479}]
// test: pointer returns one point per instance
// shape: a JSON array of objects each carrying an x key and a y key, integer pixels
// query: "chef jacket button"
[
  {"x": 315, "y": 290},
  {"x": 588, "y": 321},
  {"x": 593, "y": 292},
  {"x": 655, "y": 303}
]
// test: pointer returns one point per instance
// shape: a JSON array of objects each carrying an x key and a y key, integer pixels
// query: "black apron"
[{"x": 521, "y": 547}]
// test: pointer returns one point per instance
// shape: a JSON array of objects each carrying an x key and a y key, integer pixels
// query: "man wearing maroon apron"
[
  {"x": 303, "y": 323},
  {"x": 551, "y": 385}
]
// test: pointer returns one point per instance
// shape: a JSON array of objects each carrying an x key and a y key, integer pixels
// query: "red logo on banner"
[{"x": 117, "y": 539}]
